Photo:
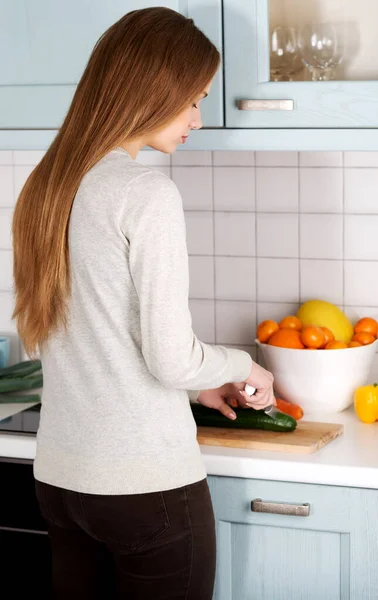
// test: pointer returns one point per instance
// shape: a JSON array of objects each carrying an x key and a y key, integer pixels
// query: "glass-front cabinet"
[{"x": 301, "y": 64}]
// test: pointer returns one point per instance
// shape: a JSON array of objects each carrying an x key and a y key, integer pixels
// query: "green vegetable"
[
  {"x": 21, "y": 369},
  {"x": 4, "y": 398},
  {"x": 247, "y": 418},
  {"x": 20, "y": 383},
  {"x": 25, "y": 372}
]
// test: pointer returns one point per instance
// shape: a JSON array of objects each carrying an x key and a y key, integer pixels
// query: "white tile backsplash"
[
  {"x": 201, "y": 271},
  {"x": 6, "y": 186},
  {"x": 320, "y": 159},
  {"x": 354, "y": 313},
  {"x": 236, "y": 158},
  {"x": 360, "y": 159},
  {"x": 321, "y": 236},
  {"x": 21, "y": 173},
  {"x": 235, "y": 322},
  {"x": 275, "y": 310},
  {"x": 277, "y": 280},
  {"x": 200, "y": 232},
  {"x": 277, "y": 235},
  {"x": 195, "y": 185},
  {"x": 277, "y": 159},
  {"x": 235, "y": 278},
  {"x": 360, "y": 194},
  {"x": 277, "y": 189},
  {"x": 191, "y": 158},
  {"x": 6, "y": 228},
  {"x": 361, "y": 283},
  {"x": 265, "y": 231},
  {"x": 361, "y": 237},
  {"x": 321, "y": 190},
  {"x": 234, "y": 234},
  {"x": 6, "y": 157},
  {"x": 27, "y": 157},
  {"x": 321, "y": 279},
  {"x": 6, "y": 267},
  {"x": 234, "y": 187},
  {"x": 203, "y": 319},
  {"x": 7, "y": 305}
]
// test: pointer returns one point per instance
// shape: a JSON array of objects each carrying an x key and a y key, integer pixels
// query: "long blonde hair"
[{"x": 143, "y": 71}]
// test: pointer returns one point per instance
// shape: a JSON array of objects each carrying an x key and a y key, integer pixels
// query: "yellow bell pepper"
[{"x": 366, "y": 403}]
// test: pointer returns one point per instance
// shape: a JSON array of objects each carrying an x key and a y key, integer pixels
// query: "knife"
[{"x": 270, "y": 410}]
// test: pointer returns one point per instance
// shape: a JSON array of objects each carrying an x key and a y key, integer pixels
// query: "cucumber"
[
  {"x": 25, "y": 372},
  {"x": 4, "y": 398},
  {"x": 20, "y": 369},
  {"x": 16, "y": 384},
  {"x": 247, "y": 418}
]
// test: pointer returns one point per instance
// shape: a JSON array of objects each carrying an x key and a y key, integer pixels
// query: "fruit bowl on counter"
[{"x": 318, "y": 373}]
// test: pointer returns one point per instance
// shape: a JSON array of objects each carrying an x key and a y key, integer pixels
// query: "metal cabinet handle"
[
  {"x": 266, "y": 104},
  {"x": 296, "y": 510}
]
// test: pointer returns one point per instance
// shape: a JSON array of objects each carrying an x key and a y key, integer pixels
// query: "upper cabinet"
[
  {"x": 295, "y": 74},
  {"x": 46, "y": 45},
  {"x": 295, "y": 64}
]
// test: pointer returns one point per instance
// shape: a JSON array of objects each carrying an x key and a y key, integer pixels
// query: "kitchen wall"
[{"x": 265, "y": 231}]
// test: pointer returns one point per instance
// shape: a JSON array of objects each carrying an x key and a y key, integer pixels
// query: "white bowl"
[{"x": 320, "y": 381}]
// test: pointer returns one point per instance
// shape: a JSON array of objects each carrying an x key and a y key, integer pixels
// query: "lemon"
[{"x": 326, "y": 314}]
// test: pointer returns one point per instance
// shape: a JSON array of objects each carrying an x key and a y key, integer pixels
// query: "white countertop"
[{"x": 349, "y": 460}]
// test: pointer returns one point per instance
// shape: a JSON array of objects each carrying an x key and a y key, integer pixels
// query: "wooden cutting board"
[{"x": 308, "y": 437}]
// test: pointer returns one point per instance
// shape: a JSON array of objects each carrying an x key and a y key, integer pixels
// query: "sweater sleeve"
[{"x": 154, "y": 225}]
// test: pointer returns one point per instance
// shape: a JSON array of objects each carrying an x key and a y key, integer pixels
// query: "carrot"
[{"x": 289, "y": 408}]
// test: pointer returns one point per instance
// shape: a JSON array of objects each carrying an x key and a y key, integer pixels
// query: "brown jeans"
[{"x": 154, "y": 546}]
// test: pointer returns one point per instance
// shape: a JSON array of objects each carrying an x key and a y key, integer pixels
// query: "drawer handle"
[
  {"x": 278, "y": 508},
  {"x": 266, "y": 104}
]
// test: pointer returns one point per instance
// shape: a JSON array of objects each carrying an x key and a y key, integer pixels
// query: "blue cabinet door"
[
  {"x": 331, "y": 553},
  {"x": 45, "y": 46},
  {"x": 327, "y": 104}
]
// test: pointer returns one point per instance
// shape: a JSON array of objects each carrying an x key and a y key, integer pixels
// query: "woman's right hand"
[{"x": 262, "y": 380}]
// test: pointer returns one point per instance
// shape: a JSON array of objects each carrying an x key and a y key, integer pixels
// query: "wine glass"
[
  {"x": 320, "y": 50},
  {"x": 284, "y": 58}
]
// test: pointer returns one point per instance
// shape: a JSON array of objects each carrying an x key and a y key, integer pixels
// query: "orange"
[
  {"x": 364, "y": 338},
  {"x": 367, "y": 325},
  {"x": 291, "y": 322},
  {"x": 335, "y": 345},
  {"x": 265, "y": 329},
  {"x": 313, "y": 337},
  {"x": 354, "y": 344},
  {"x": 286, "y": 338},
  {"x": 328, "y": 334}
]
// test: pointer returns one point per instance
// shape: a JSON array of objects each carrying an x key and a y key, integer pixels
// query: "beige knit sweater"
[{"x": 115, "y": 415}]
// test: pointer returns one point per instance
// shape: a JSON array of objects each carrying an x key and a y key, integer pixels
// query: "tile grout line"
[
  {"x": 170, "y": 167},
  {"x": 248, "y": 166},
  {"x": 256, "y": 255},
  {"x": 343, "y": 226},
  {"x": 267, "y": 257},
  {"x": 214, "y": 254},
  {"x": 282, "y": 212},
  {"x": 299, "y": 233},
  {"x": 268, "y": 301}
]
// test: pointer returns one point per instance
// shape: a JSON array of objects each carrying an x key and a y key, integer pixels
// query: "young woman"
[{"x": 101, "y": 284}]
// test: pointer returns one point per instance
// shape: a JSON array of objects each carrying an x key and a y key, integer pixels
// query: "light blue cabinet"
[
  {"x": 330, "y": 554},
  {"x": 325, "y": 104},
  {"x": 45, "y": 47}
]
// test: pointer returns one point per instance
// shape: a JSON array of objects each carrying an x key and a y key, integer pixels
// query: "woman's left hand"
[{"x": 219, "y": 398}]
